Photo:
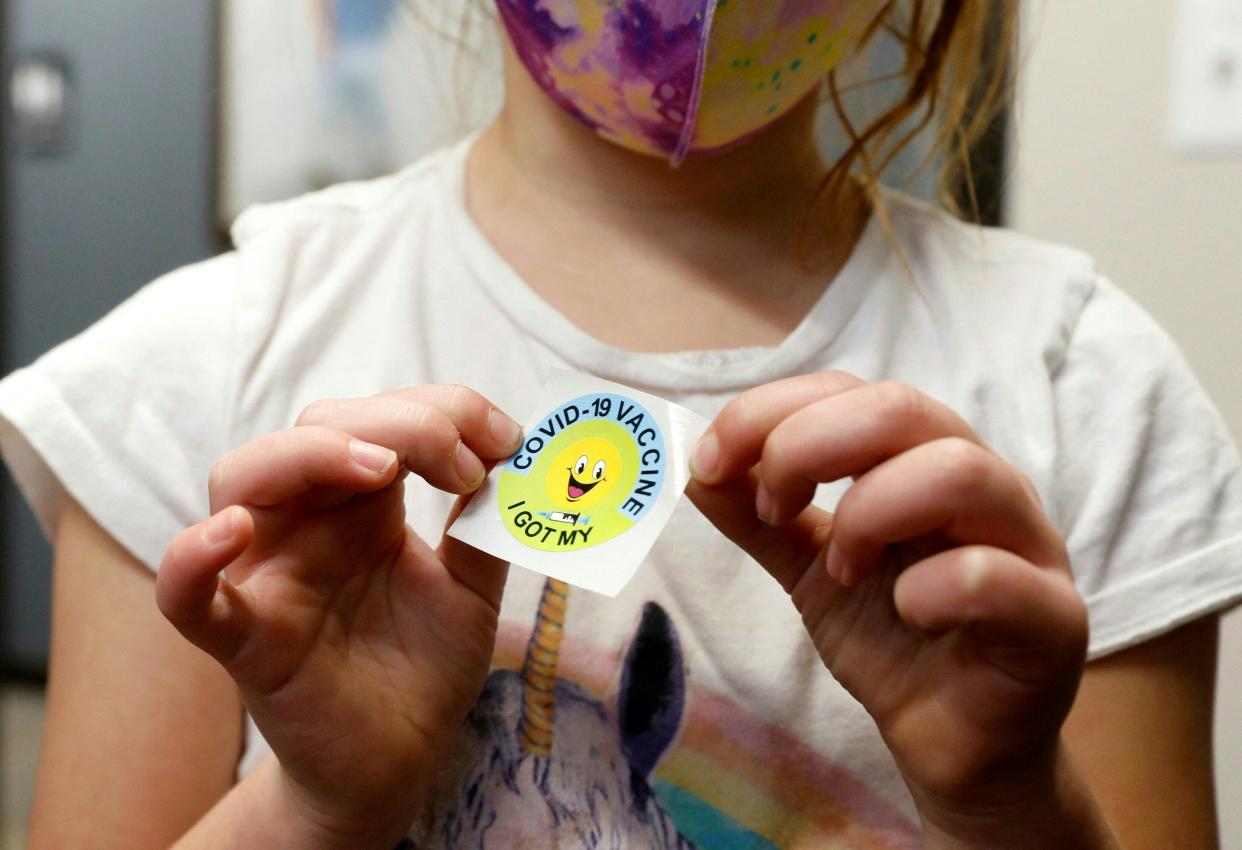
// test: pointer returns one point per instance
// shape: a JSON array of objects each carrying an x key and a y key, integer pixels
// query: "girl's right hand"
[{"x": 357, "y": 648}]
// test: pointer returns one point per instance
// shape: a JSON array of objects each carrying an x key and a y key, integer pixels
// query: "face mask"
[{"x": 672, "y": 77}]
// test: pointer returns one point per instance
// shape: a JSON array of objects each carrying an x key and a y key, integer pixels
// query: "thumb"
[
  {"x": 190, "y": 592},
  {"x": 475, "y": 569},
  {"x": 785, "y": 551}
]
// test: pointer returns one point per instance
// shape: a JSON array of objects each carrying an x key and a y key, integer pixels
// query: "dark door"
[{"x": 107, "y": 183}]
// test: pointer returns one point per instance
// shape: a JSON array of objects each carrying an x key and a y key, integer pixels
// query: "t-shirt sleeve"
[
  {"x": 128, "y": 416},
  {"x": 1148, "y": 485}
]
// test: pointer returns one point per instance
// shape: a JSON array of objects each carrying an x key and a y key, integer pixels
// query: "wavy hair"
[{"x": 956, "y": 83}]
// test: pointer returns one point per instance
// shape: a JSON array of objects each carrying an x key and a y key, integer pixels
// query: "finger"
[
  {"x": 951, "y": 488},
  {"x": 1029, "y": 621},
  {"x": 785, "y": 552},
  {"x": 846, "y": 435},
  {"x": 189, "y": 590},
  {"x": 488, "y": 431},
  {"x": 734, "y": 441},
  {"x": 429, "y": 440},
  {"x": 277, "y": 467}
]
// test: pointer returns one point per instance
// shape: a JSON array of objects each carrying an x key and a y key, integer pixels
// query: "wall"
[
  {"x": 1092, "y": 168},
  {"x": 129, "y": 201}
]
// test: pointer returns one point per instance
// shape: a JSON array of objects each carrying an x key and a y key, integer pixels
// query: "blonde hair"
[{"x": 957, "y": 76}]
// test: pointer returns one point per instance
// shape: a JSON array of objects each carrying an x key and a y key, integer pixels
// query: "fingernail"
[
  {"x": 469, "y": 467},
  {"x": 847, "y": 577},
  {"x": 222, "y": 527},
  {"x": 832, "y": 563},
  {"x": 763, "y": 504},
  {"x": 371, "y": 457},
  {"x": 705, "y": 461},
  {"x": 504, "y": 430}
]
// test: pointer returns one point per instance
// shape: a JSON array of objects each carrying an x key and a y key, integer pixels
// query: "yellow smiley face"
[{"x": 583, "y": 474}]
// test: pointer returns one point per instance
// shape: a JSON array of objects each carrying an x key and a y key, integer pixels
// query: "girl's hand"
[
  {"x": 939, "y": 594},
  {"x": 356, "y": 647}
]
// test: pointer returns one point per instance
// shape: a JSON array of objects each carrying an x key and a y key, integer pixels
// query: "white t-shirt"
[{"x": 734, "y": 733}]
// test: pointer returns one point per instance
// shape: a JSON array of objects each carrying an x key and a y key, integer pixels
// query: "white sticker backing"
[{"x": 592, "y": 486}]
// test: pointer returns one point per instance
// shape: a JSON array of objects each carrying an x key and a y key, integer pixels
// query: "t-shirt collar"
[{"x": 681, "y": 371}]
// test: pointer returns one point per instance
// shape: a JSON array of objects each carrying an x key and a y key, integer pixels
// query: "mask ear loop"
[{"x": 696, "y": 93}]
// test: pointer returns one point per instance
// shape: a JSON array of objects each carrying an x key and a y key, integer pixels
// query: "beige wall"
[{"x": 1092, "y": 168}]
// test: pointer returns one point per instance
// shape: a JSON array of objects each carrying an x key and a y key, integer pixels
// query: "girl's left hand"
[{"x": 939, "y": 594}]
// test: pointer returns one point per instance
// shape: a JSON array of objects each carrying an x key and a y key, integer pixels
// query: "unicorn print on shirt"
[{"x": 545, "y": 764}]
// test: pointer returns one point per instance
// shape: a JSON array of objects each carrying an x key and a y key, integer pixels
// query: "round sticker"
[{"x": 588, "y": 472}]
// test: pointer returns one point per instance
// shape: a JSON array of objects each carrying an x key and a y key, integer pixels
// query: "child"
[{"x": 918, "y": 428}]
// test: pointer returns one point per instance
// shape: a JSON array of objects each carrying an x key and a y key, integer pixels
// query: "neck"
[
  {"x": 626, "y": 246},
  {"x": 771, "y": 179}
]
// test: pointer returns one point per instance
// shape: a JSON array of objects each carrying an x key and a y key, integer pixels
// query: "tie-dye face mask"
[{"x": 672, "y": 77}]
